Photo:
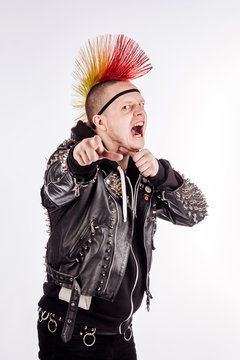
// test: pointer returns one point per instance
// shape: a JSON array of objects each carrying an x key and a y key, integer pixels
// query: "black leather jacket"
[{"x": 90, "y": 240}]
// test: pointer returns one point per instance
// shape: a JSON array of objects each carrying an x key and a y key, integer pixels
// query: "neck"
[{"x": 124, "y": 162}]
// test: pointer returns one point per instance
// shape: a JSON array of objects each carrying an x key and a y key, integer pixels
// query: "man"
[{"x": 102, "y": 191}]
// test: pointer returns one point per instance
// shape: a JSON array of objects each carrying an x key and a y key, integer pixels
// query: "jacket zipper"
[
  {"x": 114, "y": 251},
  {"x": 149, "y": 295},
  {"x": 131, "y": 297},
  {"x": 134, "y": 202}
]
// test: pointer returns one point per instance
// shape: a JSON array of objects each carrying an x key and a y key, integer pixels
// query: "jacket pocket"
[{"x": 86, "y": 234}]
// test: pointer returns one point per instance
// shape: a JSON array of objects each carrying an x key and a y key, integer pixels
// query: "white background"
[{"x": 192, "y": 97}]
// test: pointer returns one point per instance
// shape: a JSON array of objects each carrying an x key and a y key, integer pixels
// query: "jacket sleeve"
[
  {"x": 61, "y": 186},
  {"x": 178, "y": 200}
]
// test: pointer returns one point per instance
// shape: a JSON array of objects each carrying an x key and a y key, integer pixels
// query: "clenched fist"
[
  {"x": 92, "y": 149},
  {"x": 144, "y": 160}
]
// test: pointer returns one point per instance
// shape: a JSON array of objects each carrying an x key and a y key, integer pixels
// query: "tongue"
[{"x": 136, "y": 130}]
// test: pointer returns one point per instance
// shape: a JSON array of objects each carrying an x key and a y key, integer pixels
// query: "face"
[{"x": 125, "y": 119}]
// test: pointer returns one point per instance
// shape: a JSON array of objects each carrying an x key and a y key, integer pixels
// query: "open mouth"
[{"x": 137, "y": 130}]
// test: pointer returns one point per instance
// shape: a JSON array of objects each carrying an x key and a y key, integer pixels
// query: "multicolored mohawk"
[{"x": 108, "y": 57}]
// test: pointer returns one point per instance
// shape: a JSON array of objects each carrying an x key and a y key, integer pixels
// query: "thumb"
[
  {"x": 103, "y": 153},
  {"x": 111, "y": 155}
]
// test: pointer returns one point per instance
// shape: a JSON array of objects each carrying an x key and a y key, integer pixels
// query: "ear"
[{"x": 98, "y": 122}]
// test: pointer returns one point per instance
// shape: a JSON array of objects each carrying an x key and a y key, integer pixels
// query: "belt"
[
  {"x": 69, "y": 281},
  {"x": 88, "y": 333}
]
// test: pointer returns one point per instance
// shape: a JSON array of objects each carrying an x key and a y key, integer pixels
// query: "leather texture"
[{"x": 89, "y": 241}]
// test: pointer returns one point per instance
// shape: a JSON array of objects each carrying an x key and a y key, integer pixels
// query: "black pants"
[{"x": 106, "y": 347}]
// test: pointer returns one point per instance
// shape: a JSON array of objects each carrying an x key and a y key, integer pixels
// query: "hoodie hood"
[{"x": 81, "y": 131}]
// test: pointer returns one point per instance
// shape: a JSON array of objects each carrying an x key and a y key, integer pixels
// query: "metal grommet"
[
  {"x": 127, "y": 337},
  {"x": 40, "y": 315},
  {"x": 90, "y": 335},
  {"x": 44, "y": 316},
  {"x": 51, "y": 320}
]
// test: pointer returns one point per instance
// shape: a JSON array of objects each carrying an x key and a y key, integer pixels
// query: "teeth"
[
  {"x": 138, "y": 135},
  {"x": 139, "y": 124}
]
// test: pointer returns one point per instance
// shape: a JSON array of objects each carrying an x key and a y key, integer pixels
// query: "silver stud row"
[{"x": 192, "y": 200}]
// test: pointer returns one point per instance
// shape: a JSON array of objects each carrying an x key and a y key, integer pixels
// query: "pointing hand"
[{"x": 91, "y": 149}]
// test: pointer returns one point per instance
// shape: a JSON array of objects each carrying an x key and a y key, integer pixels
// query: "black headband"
[{"x": 114, "y": 98}]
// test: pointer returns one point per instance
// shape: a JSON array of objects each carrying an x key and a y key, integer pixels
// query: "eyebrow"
[{"x": 131, "y": 101}]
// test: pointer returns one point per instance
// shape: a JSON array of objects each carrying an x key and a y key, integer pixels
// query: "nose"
[{"x": 139, "y": 110}]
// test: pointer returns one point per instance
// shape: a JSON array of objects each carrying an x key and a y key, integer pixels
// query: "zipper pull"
[
  {"x": 77, "y": 187},
  {"x": 149, "y": 297},
  {"x": 92, "y": 228}
]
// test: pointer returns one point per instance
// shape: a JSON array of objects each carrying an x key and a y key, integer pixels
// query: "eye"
[
  {"x": 142, "y": 104},
  {"x": 126, "y": 107}
]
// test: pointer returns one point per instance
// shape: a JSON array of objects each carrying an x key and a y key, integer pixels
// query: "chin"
[
  {"x": 139, "y": 144},
  {"x": 134, "y": 144},
  {"x": 136, "y": 148}
]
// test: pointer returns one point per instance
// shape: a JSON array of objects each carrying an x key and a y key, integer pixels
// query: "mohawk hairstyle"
[{"x": 108, "y": 57}]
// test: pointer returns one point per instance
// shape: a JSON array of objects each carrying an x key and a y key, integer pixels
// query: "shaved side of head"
[{"x": 96, "y": 99}]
